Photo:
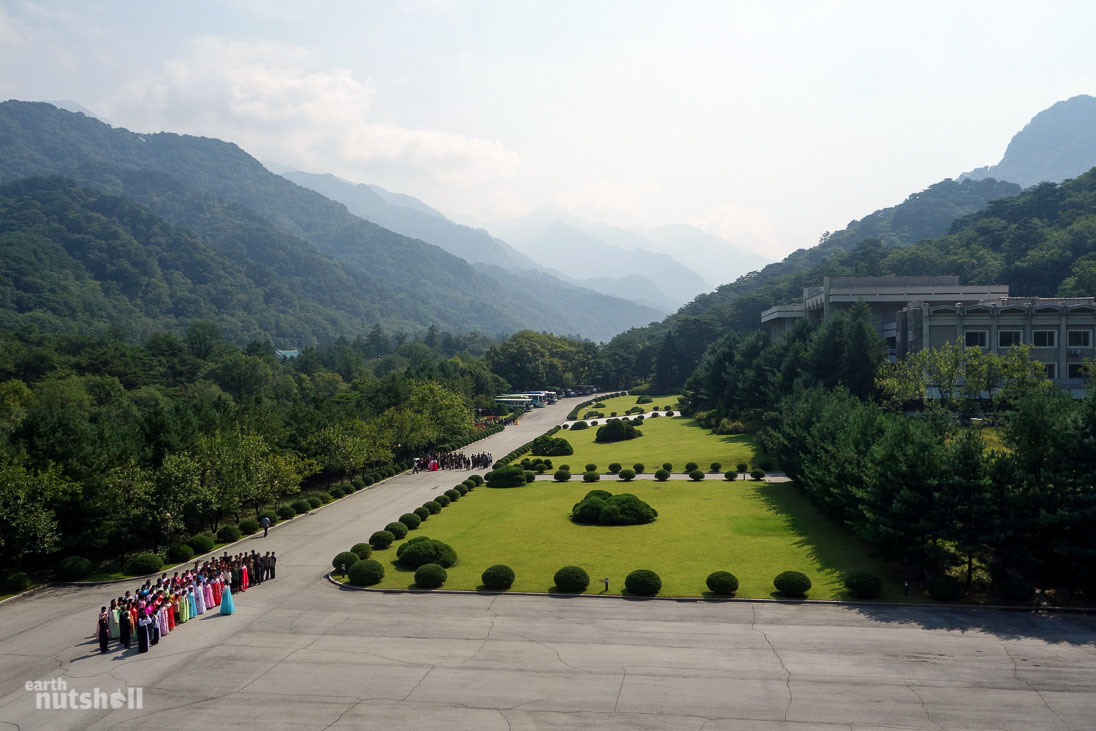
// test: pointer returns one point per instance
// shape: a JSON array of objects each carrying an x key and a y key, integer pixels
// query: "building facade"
[{"x": 913, "y": 313}]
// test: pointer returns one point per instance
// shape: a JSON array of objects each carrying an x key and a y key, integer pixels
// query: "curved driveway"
[{"x": 302, "y": 654}]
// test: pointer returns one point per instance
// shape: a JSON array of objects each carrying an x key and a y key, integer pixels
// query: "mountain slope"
[
  {"x": 1057, "y": 144},
  {"x": 719, "y": 260},
  {"x": 552, "y": 238},
  {"x": 414, "y": 283},
  {"x": 75, "y": 259}
]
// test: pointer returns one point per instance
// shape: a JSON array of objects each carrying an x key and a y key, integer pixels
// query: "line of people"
[
  {"x": 156, "y": 608},
  {"x": 451, "y": 461}
]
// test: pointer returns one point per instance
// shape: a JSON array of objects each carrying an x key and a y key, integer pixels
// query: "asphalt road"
[{"x": 301, "y": 653}]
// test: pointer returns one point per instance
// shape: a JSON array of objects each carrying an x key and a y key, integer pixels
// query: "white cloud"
[
  {"x": 273, "y": 101},
  {"x": 622, "y": 204}
]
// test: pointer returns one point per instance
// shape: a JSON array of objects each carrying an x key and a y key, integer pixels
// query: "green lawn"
[
  {"x": 753, "y": 529},
  {"x": 677, "y": 440},
  {"x": 620, "y": 404}
]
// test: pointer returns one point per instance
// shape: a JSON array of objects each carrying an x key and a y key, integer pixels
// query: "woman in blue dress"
[{"x": 227, "y": 605}]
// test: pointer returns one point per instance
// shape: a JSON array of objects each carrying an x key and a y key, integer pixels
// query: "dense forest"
[{"x": 108, "y": 448}]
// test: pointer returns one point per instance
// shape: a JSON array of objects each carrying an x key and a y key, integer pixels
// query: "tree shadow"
[{"x": 1005, "y": 624}]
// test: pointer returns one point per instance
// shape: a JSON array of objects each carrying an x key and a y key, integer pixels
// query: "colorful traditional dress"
[
  {"x": 191, "y": 605},
  {"x": 144, "y": 627},
  {"x": 227, "y": 605}
]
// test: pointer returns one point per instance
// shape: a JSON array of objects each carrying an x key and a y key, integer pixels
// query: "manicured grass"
[
  {"x": 620, "y": 404},
  {"x": 753, "y": 529},
  {"x": 676, "y": 439}
]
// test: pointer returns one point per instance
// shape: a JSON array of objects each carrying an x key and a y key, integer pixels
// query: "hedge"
[
  {"x": 506, "y": 476},
  {"x": 228, "y": 534},
  {"x": 422, "y": 550},
  {"x": 792, "y": 583},
  {"x": 422, "y": 512},
  {"x": 442, "y": 500},
  {"x": 643, "y": 582},
  {"x": 498, "y": 577},
  {"x": 73, "y": 568},
  {"x": 145, "y": 563},
  {"x": 722, "y": 582},
  {"x": 410, "y": 520},
  {"x": 430, "y": 576},
  {"x": 362, "y": 550},
  {"x": 365, "y": 572},
  {"x": 381, "y": 540},
  {"x": 452, "y": 494},
  {"x": 571, "y": 580},
  {"x": 432, "y": 506},
  {"x": 344, "y": 560},
  {"x": 399, "y": 530}
]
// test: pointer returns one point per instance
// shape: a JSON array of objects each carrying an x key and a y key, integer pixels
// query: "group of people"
[
  {"x": 156, "y": 608},
  {"x": 451, "y": 461}
]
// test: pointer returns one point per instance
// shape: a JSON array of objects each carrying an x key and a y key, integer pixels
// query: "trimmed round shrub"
[
  {"x": 757, "y": 474},
  {"x": 411, "y": 520},
  {"x": 452, "y": 494},
  {"x": 469, "y": 483},
  {"x": 863, "y": 585},
  {"x": 179, "y": 552},
  {"x": 643, "y": 582},
  {"x": 506, "y": 476},
  {"x": 478, "y": 479},
  {"x": 667, "y": 466},
  {"x": 730, "y": 475},
  {"x": 722, "y": 582},
  {"x": 792, "y": 583},
  {"x": 300, "y": 507},
  {"x": 627, "y": 475},
  {"x": 336, "y": 492},
  {"x": 286, "y": 513},
  {"x": 314, "y": 501},
  {"x": 381, "y": 540},
  {"x": 362, "y": 550},
  {"x": 499, "y": 577},
  {"x": 325, "y": 497},
  {"x": 357, "y": 483},
  {"x": 442, "y": 500},
  {"x": 344, "y": 560},
  {"x": 399, "y": 530},
  {"x": 638, "y": 467},
  {"x": 365, "y": 572},
  {"x": 591, "y": 468},
  {"x": 367, "y": 481},
  {"x": 73, "y": 568},
  {"x": 571, "y": 580},
  {"x": 944, "y": 588},
  {"x": 228, "y": 534},
  {"x": 614, "y": 467},
  {"x": 422, "y": 512},
  {"x": 742, "y": 467},
  {"x": 268, "y": 514},
  {"x": 696, "y": 475},
  {"x": 249, "y": 526},
  {"x": 418, "y": 552},
  {"x": 669, "y": 413},
  {"x": 579, "y": 426},
  {"x": 561, "y": 476},
  {"x": 662, "y": 475},
  {"x": 1016, "y": 589},
  {"x": 566, "y": 426},
  {"x": 644, "y": 400},
  {"x": 433, "y": 506},
  {"x": 603, "y": 494},
  {"x": 530, "y": 476},
  {"x": 16, "y": 582},
  {"x": 201, "y": 543},
  {"x": 430, "y": 576},
  {"x": 716, "y": 467},
  {"x": 565, "y": 467},
  {"x": 590, "y": 477},
  {"x": 145, "y": 563},
  {"x": 690, "y": 466}
]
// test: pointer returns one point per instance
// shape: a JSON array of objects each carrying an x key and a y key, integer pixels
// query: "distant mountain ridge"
[
  {"x": 1057, "y": 144},
  {"x": 241, "y": 207}
]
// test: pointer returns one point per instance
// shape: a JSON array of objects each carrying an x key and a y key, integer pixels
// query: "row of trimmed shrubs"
[
  {"x": 596, "y": 402},
  {"x": 517, "y": 453},
  {"x": 78, "y": 568},
  {"x": 591, "y": 474}
]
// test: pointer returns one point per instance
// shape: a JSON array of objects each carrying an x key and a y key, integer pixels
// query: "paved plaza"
[{"x": 301, "y": 653}]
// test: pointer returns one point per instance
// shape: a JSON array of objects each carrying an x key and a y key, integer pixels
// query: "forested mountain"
[
  {"x": 1040, "y": 242},
  {"x": 555, "y": 239},
  {"x": 395, "y": 214},
  {"x": 716, "y": 259},
  {"x": 1057, "y": 144},
  {"x": 242, "y": 208}
]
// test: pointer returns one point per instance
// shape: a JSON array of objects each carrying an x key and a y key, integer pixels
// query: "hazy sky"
[{"x": 766, "y": 123}]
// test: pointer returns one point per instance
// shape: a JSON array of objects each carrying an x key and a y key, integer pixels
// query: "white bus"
[{"x": 515, "y": 402}]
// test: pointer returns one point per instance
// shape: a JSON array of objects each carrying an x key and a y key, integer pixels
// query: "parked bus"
[
  {"x": 538, "y": 400},
  {"x": 515, "y": 402}
]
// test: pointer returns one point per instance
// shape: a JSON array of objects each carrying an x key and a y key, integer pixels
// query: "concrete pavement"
[{"x": 302, "y": 654}]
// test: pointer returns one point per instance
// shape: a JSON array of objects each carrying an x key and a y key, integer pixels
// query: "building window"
[
  {"x": 1079, "y": 338},
  {"x": 1045, "y": 339},
  {"x": 1052, "y": 370},
  {"x": 1008, "y": 338},
  {"x": 1076, "y": 370},
  {"x": 977, "y": 338}
]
